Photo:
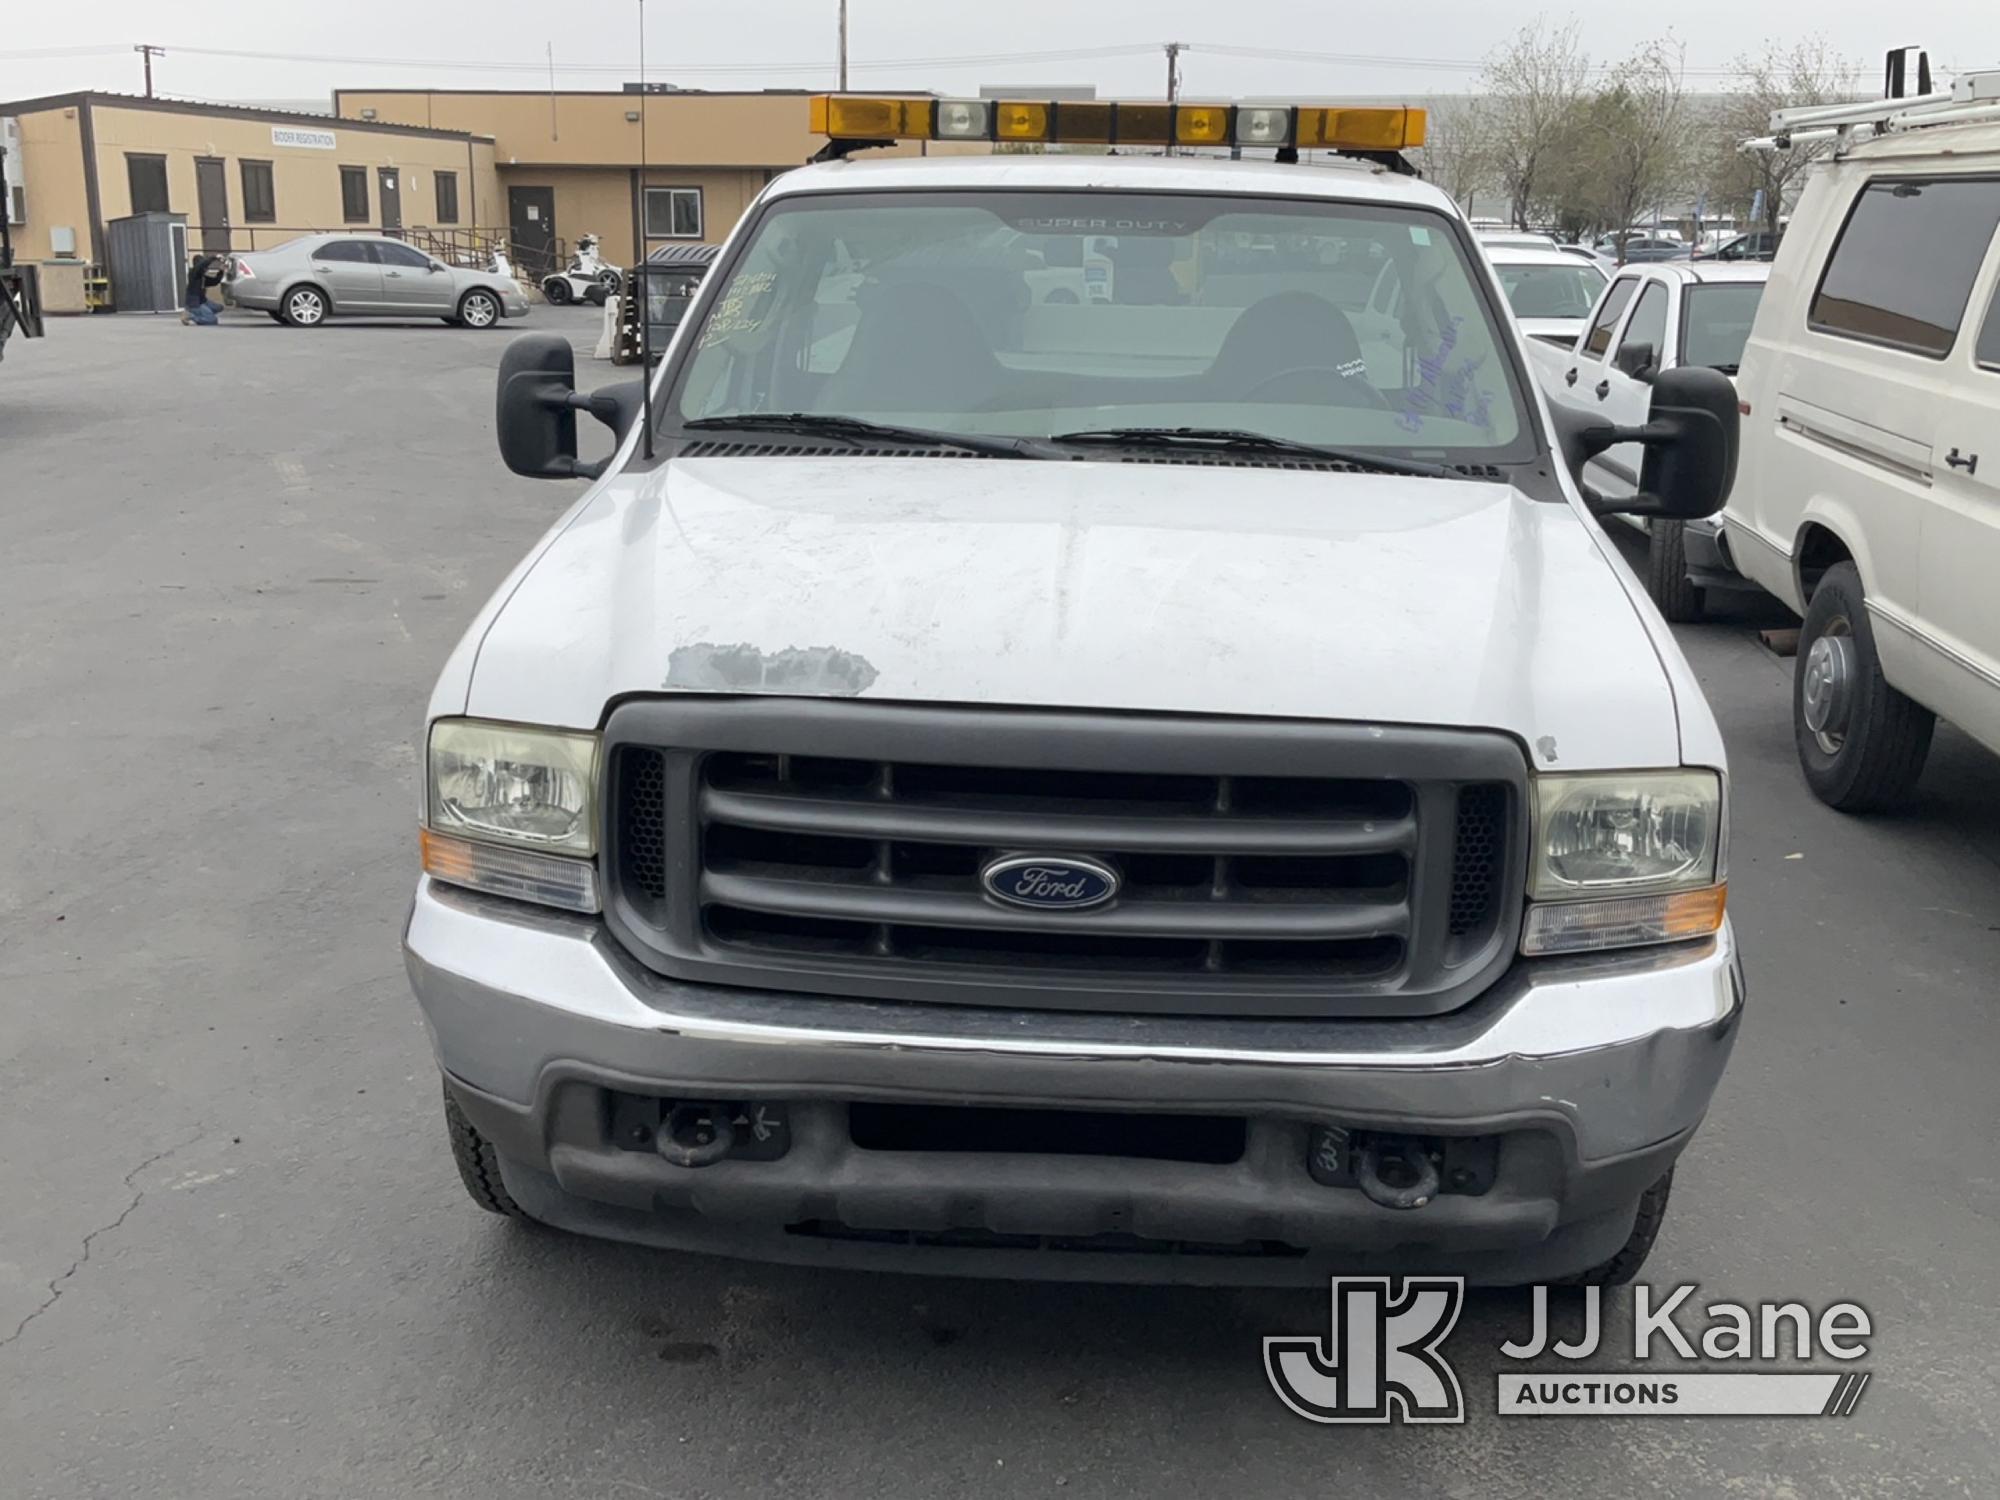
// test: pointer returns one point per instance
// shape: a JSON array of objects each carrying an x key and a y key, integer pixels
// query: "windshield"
[
  {"x": 1038, "y": 314},
  {"x": 1717, "y": 323},
  {"x": 1551, "y": 291}
]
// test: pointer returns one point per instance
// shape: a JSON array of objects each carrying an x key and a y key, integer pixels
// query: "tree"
[
  {"x": 1533, "y": 87},
  {"x": 1781, "y": 77},
  {"x": 1456, "y": 157},
  {"x": 1640, "y": 135}
]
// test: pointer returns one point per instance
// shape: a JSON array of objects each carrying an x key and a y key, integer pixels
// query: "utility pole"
[
  {"x": 843, "y": 46},
  {"x": 552, "y": 92},
  {"x": 150, "y": 52}
]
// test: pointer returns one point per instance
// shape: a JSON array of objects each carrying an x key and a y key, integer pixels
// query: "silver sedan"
[{"x": 304, "y": 282}]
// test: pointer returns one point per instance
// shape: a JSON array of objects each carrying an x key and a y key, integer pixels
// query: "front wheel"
[
  {"x": 1861, "y": 743},
  {"x": 557, "y": 290},
  {"x": 479, "y": 309},
  {"x": 304, "y": 307},
  {"x": 1667, "y": 580},
  {"x": 478, "y": 1166},
  {"x": 1623, "y": 1266}
]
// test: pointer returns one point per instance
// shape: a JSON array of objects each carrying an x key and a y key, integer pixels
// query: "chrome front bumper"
[{"x": 1608, "y": 1063}]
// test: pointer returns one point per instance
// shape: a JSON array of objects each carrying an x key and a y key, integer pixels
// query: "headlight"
[
  {"x": 533, "y": 791},
  {"x": 1625, "y": 858},
  {"x": 509, "y": 785}
]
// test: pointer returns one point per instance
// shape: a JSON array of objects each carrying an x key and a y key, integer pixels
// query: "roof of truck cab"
[
  {"x": 1700, "y": 272},
  {"x": 1356, "y": 182}
]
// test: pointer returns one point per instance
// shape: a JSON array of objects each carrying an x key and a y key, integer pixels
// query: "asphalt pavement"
[{"x": 235, "y": 1259}]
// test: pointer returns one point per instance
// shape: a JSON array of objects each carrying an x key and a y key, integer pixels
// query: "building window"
[
  {"x": 673, "y": 213},
  {"x": 147, "y": 176},
  {"x": 260, "y": 203},
  {"x": 354, "y": 194},
  {"x": 1902, "y": 271},
  {"x": 447, "y": 189}
]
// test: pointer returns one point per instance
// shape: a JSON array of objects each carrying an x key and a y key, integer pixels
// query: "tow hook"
[
  {"x": 694, "y": 1135},
  {"x": 1395, "y": 1172}
]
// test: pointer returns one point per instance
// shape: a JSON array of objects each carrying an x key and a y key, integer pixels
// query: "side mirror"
[
  {"x": 535, "y": 407},
  {"x": 1635, "y": 360},
  {"x": 1690, "y": 441},
  {"x": 437, "y": 265}
]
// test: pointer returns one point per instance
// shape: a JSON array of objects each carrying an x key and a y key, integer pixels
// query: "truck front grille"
[{"x": 750, "y": 845}]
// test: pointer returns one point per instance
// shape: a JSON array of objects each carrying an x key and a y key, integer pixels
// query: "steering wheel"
[{"x": 1345, "y": 382}]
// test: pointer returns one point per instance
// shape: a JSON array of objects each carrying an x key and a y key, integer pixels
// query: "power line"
[
  {"x": 1445, "y": 64},
  {"x": 461, "y": 65}
]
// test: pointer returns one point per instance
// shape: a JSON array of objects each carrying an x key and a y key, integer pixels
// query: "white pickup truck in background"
[{"x": 1651, "y": 318}]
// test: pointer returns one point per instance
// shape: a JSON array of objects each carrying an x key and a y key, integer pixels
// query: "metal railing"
[{"x": 458, "y": 245}]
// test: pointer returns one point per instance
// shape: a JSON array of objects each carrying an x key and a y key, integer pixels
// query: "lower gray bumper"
[{"x": 1595, "y": 1071}]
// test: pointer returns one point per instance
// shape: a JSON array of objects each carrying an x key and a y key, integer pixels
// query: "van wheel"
[
  {"x": 1861, "y": 743},
  {"x": 1667, "y": 578},
  {"x": 304, "y": 307},
  {"x": 479, "y": 309},
  {"x": 478, "y": 1167},
  {"x": 1623, "y": 1266}
]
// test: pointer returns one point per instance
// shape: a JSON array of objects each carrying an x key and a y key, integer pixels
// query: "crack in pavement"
[{"x": 61, "y": 1283}]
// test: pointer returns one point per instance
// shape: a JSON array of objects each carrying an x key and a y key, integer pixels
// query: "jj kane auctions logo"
[{"x": 1382, "y": 1359}]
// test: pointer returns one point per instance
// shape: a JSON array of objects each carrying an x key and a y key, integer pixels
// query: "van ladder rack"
[{"x": 1972, "y": 97}]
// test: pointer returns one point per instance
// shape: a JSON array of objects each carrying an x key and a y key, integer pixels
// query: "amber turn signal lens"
[{"x": 1623, "y": 921}]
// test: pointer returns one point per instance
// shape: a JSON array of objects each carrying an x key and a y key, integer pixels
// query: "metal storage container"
[{"x": 148, "y": 260}]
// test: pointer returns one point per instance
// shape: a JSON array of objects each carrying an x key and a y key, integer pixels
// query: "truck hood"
[{"x": 1097, "y": 584}]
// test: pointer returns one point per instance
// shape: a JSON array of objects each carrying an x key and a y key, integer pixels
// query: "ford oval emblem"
[{"x": 1049, "y": 882}]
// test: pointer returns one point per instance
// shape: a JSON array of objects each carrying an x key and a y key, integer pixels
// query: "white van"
[{"x": 1868, "y": 494}]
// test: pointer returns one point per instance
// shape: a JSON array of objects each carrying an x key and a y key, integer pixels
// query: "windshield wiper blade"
[
  {"x": 1239, "y": 440},
  {"x": 856, "y": 429}
]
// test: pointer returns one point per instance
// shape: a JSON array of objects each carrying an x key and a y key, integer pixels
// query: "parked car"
[
  {"x": 1096, "y": 792},
  {"x": 1551, "y": 294},
  {"x": 1652, "y": 318},
  {"x": 305, "y": 281},
  {"x": 1641, "y": 248},
  {"x": 1759, "y": 245},
  {"x": 1869, "y": 488}
]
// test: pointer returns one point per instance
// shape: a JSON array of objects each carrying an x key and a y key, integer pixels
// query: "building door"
[
  {"x": 531, "y": 222},
  {"x": 211, "y": 196},
  {"x": 388, "y": 181}
]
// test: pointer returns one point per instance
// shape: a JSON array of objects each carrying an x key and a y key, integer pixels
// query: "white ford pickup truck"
[{"x": 1149, "y": 789}]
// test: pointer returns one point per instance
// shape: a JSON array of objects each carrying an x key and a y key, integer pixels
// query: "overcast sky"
[{"x": 1429, "y": 46}]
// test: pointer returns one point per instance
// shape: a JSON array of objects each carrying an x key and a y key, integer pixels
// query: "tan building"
[
  {"x": 243, "y": 177},
  {"x": 569, "y": 162}
]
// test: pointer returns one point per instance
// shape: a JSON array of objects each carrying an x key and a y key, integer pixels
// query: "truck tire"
[
  {"x": 478, "y": 1167},
  {"x": 1623, "y": 1266},
  {"x": 1667, "y": 578},
  {"x": 1861, "y": 743}
]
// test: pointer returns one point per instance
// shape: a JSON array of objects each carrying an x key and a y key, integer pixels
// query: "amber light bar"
[{"x": 857, "y": 117}]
